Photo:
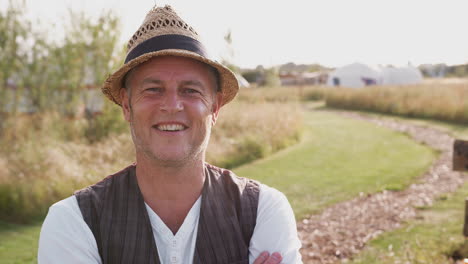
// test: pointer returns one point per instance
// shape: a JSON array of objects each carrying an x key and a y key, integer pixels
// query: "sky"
[{"x": 329, "y": 32}]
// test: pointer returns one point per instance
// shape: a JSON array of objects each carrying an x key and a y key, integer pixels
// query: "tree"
[
  {"x": 84, "y": 57},
  {"x": 271, "y": 78},
  {"x": 14, "y": 30},
  {"x": 53, "y": 74}
]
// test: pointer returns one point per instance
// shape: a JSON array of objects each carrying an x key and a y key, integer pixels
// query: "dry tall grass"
[
  {"x": 45, "y": 158},
  {"x": 247, "y": 131},
  {"x": 441, "y": 101}
]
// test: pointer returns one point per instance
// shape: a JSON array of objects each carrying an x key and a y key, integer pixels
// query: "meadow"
[
  {"x": 315, "y": 157},
  {"x": 429, "y": 100}
]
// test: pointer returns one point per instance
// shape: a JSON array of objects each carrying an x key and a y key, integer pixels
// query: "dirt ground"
[{"x": 344, "y": 229}]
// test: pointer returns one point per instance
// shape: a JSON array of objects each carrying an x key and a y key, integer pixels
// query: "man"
[{"x": 171, "y": 206}]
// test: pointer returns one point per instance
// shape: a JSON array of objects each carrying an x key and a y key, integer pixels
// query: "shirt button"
[
  {"x": 174, "y": 243},
  {"x": 174, "y": 259}
]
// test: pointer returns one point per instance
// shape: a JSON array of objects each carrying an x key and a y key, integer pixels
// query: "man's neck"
[{"x": 170, "y": 191}]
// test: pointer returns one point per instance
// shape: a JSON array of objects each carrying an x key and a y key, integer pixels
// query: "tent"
[
  {"x": 400, "y": 76},
  {"x": 354, "y": 75},
  {"x": 358, "y": 75}
]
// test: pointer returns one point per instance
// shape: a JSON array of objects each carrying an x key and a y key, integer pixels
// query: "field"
[
  {"x": 325, "y": 159},
  {"x": 430, "y": 100},
  {"x": 54, "y": 140},
  {"x": 298, "y": 170}
]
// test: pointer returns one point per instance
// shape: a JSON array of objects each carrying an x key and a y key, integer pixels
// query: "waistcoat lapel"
[
  {"x": 227, "y": 217},
  {"x": 115, "y": 211}
]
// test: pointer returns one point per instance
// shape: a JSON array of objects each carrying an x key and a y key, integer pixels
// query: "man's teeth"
[{"x": 171, "y": 127}]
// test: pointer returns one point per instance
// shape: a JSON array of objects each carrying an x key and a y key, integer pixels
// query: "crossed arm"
[{"x": 266, "y": 258}]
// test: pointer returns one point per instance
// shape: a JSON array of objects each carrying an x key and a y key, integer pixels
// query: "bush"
[
  {"x": 248, "y": 130},
  {"x": 42, "y": 170},
  {"x": 315, "y": 93},
  {"x": 109, "y": 121}
]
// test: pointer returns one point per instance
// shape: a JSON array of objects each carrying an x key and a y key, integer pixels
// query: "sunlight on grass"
[{"x": 337, "y": 159}]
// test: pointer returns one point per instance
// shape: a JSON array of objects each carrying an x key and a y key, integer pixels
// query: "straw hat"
[{"x": 164, "y": 33}]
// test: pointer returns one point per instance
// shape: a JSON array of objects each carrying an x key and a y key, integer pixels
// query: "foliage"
[
  {"x": 14, "y": 30},
  {"x": 443, "y": 70},
  {"x": 107, "y": 123},
  {"x": 457, "y": 71},
  {"x": 248, "y": 131},
  {"x": 292, "y": 67},
  {"x": 40, "y": 171},
  {"x": 38, "y": 75},
  {"x": 252, "y": 76},
  {"x": 314, "y": 93},
  {"x": 270, "y": 78}
]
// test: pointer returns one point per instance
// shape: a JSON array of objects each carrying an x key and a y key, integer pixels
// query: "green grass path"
[{"x": 337, "y": 159}]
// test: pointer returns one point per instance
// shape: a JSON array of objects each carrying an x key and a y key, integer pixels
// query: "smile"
[{"x": 170, "y": 127}]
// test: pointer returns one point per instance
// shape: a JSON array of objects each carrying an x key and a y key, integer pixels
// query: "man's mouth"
[{"x": 170, "y": 127}]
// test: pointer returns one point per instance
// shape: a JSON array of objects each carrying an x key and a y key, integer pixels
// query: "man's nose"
[{"x": 171, "y": 103}]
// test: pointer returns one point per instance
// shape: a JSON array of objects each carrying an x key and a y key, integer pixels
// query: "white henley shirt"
[{"x": 66, "y": 238}]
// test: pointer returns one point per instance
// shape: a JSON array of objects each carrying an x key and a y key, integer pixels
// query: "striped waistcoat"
[{"x": 115, "y": 212}]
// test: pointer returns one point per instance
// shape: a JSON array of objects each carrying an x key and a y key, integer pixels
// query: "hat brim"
[{"x": 227, "y": 80}]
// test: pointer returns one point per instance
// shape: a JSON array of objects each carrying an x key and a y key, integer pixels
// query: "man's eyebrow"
[
  {"x": 151, "y": 81},
  {"x": 192, "y": 82}
]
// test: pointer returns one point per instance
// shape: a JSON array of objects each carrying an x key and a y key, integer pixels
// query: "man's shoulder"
[
  {"x": 65, "y": 206},
  {"x": 268, "y": 197},
  {"x": 227, "y": 176},
  {"x": 100, "y": 187},
  {"x": 271, "y": 197}
]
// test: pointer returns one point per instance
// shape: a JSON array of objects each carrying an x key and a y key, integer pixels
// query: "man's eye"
[
  {"x": 153, "y": 89},
  {"x": 191, "y": 91}
]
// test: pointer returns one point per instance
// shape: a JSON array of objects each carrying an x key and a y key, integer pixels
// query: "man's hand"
[{"x": 266, "y": 258}]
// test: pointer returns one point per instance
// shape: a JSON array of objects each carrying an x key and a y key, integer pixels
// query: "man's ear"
[
  {"x": 124, "y": 99},
  {"x": 216, "y": 106}
]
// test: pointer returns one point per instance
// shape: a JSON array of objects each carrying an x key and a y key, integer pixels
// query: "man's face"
[{"x": 171, "y": 106}]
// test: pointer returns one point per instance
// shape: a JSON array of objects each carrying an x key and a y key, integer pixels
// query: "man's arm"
[
  {"x": 266, "y": 258},
  {"x": 276, "y": 229},
  {"x": 63, "y": 238}
]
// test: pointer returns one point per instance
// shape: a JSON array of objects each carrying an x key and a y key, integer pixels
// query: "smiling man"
[{"x": 171, "y": 206}]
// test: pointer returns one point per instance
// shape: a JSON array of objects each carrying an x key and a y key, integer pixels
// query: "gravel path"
[{"x": 342, "y": 230}]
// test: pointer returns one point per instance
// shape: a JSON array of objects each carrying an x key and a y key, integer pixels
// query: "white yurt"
[
  {"x": 400, "y": 76},
  {"x": 354, "y": 75}
]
